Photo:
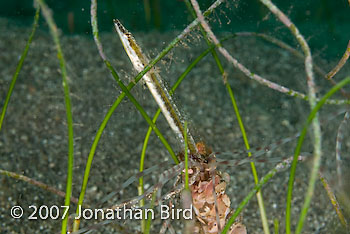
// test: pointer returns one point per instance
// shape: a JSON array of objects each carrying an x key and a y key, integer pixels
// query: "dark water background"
[{"x": 325, "y": 21}]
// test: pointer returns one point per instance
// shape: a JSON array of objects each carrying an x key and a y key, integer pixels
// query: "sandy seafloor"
[{"x": 33, "y": 141}]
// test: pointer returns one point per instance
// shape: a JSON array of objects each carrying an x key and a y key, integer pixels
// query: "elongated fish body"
[{"x": 154, "y": 84}]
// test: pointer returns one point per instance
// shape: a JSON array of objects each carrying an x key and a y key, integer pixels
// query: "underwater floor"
[{"x": 33, "y": 140}]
